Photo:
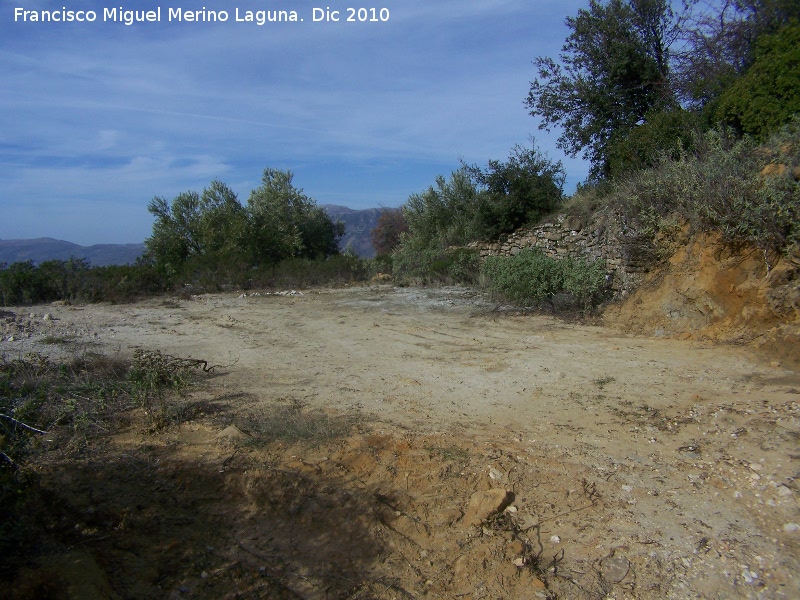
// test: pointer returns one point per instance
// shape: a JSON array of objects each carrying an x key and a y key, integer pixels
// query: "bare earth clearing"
[{"x": 639, "y": 467}]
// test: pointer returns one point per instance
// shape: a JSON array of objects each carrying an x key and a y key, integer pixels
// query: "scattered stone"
[
  {"x": 495, "y": 474},
  {"x": 554, "y": 539},
  {"x": 615, "y": 568},
  {"x": 486, "y": 503},
  {"x": 519, "y": 562},
  {"x": 232, "y": 433},
  {"x": 784, "y": 491},
  {"x": 204, "y": 575},
  {"x": 791, "y": 528},
  {"x": 47, "y": 317},
  {"x": 749, "y": 576}
]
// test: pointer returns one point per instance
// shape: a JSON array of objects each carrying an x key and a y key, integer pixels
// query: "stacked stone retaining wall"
[{"x": 627, "y": 254}]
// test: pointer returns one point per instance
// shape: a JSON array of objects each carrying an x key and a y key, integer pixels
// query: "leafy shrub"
[
  {"x": 521, "y": 190},
  {"x": 768, "y": 94},
  {"x": 338, "y": 270},
  {"x": 532, "y": 278},
  {"x": 76, "y": 281},
  {"x": 444, "y": 214},
  {"x": 422, "y": 264},
  {"x": 663, "y": 134},
  {"x": 718, "y": 187}
]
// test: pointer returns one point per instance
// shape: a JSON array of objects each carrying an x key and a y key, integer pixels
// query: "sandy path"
[{"x": 693, "y": 442}]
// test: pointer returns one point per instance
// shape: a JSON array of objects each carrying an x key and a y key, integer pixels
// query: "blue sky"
[{"x": 98, "y": 118}]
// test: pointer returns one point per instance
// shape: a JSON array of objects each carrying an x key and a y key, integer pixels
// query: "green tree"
[
  {"x": 768, "y": 94},
  {"x": 444, "y": 214},
  {"x": 615, "y": 70},
  {"x": 286, "y": 223},
  {"x": 718, "y": 44},
  {"x": 202, "y": 228},
  {"x": 663, "y": 134},
  {"x": 176, "y": 231},
  {"x": 222, "y": 223},
  {"x": 521, "y": 190}
]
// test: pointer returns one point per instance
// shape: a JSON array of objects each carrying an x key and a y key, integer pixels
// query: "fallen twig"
[{"x": 23, "y": 425}]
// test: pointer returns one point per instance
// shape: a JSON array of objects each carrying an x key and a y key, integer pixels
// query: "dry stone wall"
[{"x": 627, "y": 253}]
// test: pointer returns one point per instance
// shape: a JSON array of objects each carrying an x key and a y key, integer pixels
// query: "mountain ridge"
[
  {"x": 358, "y": 224},
  {"x": 43, "y": 249}
]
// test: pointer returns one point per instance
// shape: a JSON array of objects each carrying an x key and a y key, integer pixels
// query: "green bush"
[
  {"x": 663, "y": 134},
  {"x": 512, "y": 193},
  {"x": 718, "y": 187},
  {"x": 76, "y": 281},
  {"x": 421, "y": 264},
  {"x": 532, "y": 278},
  {"x": 337, "y": 270},
  {"x": 768, "y": 94}
]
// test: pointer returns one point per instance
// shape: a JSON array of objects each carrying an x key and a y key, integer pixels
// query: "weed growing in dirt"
[
  {"x": 69, "y": 404},
  {"x": 158, "y": 381},
  {"x": 602, "y": 382},
  {"x": 292, "y": 421}
]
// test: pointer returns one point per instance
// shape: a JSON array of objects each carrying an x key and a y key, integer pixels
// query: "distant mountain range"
[
  {"x": 358, "y": 224},
  {"x": 42, "y": 249}
]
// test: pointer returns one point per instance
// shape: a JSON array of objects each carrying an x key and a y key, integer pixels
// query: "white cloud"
[{"x": 113, "y": 115}]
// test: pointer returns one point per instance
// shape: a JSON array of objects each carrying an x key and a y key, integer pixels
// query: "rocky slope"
[{"x": 709, "y": 290}]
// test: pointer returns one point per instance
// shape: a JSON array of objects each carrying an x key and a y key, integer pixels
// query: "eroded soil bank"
[{"x": 637, "y": 467}]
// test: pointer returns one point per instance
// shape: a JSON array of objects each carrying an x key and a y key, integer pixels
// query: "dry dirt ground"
[{"x": 627, "y": 467}]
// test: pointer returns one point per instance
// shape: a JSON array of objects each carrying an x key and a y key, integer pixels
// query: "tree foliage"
[
  {"x": 521, "y": 190},
  {"x": 768, "y": 94},
  {"x": 286, "y": 223},
  {"x": 388, "y": 231},
  {"x": 614, "y": 70},
  {"x": 718, "y": 44},
  {"x": 474, "y": 204},
  {"x": 444, "y": 214},
  {"x": 212, "y": 230},
  {"x": 662, "y": 134}
]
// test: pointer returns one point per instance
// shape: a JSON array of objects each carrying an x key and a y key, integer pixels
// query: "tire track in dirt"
[{"x": 663, "y": 468}]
